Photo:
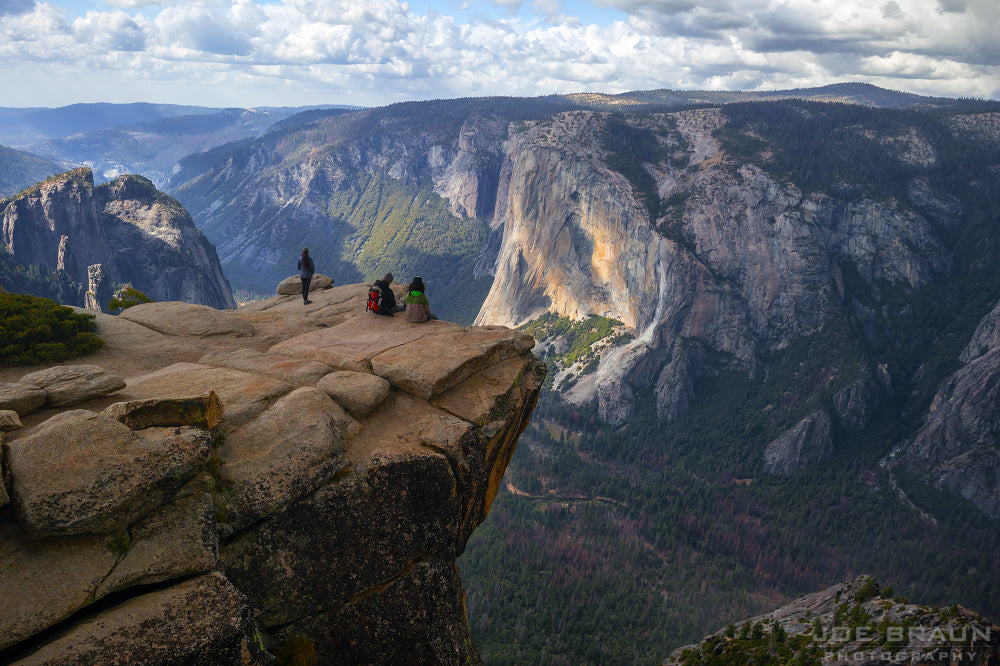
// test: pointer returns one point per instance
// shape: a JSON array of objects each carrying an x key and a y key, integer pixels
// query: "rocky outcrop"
[
  {"x": 299, "y": 482},
  {"x": 201, "y": 621},
  {"x": 58, "y": 386},
  {"x": 293, "y": 285},
  {"x": 804, "y": 445},
  {"x": 956, "y": 448},
  {"x": 855, "y": 403},
  {"x": 66, "y": 385},
  {"x": 853, "y": 623},
  {"x": 9, "y": 420},
  {"x": 100, "y": 236},
  {"x": 98, "y": 289},
  {"x": 81, "y": 472}
]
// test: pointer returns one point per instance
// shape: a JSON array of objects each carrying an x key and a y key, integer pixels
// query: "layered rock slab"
[
  {"x": 352, "y": 344},
  {"x": 178, "y": 540},
  {"x": 296, "y": 371},
  {"x": 243, "y": 394},
  {"x": 178, "y": 318},
  {"x": 66, "y": 385},
  {"x": 287, "y": 452},
  {"x": 204, "y": 621},
  {"x": 423, "y": 359},
  {"x": 336, "y": 500},
  {"x": 430, "y": 365},
  {"x": 81, "y": 472},
  {"x": 48, "y": 580}
]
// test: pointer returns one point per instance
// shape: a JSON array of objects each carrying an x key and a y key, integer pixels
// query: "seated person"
[
  {"x": 417, "y": 307},
  {"x": 387, "y": 302}
]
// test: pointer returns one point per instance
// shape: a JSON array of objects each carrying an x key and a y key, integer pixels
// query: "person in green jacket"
[{"x": 417, "y": 307}]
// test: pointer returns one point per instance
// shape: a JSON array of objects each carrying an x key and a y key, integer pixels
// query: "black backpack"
[{"x": 374, "y": 298}]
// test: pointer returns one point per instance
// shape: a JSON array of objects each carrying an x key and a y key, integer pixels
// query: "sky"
[{"x": 374, "y": 52}]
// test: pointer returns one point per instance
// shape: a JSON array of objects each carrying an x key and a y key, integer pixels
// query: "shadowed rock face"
[
  {"x": 331, "y": 516},
  {"x": 804, "y": 445},
  {"x": 101, "y": 236},
  {"x": 956, "y": 448}
]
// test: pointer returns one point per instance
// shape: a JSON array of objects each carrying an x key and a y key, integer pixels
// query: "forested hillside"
[
  {"x": 618, "y": 544},
  {"x": 19, "y": 169}
]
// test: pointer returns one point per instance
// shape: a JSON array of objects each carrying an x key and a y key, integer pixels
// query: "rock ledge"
[{"x": 277, "y": 478}]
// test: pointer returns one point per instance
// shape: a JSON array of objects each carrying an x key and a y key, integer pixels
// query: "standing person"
[
  {"x": 418, "y": 309},
  {"x": 306, "y": 270}
]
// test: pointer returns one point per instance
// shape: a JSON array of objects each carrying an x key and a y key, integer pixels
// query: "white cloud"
[
  {"x": 109, "y": 32},
  {"x": 303, "y": 51},
  {"x": 132, "y": 4},
  {"x": 210, "y": 27}
]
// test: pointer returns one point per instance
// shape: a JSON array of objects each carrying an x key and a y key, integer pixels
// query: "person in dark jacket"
[
  {"x": 387, "y": 305},
  {"x": 418, "y": 309},
  {"x": 306, "y": 270}
]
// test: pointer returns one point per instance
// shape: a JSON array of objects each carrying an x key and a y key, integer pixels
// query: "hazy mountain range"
[{"x": 115, "y": 139}]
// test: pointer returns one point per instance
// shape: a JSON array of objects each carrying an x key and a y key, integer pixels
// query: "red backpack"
[{"x": 374, "y": 298}]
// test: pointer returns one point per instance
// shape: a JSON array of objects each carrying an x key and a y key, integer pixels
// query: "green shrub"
[
  {"x": 39, "y": 330},
  {"x": 126, "y": 297}
]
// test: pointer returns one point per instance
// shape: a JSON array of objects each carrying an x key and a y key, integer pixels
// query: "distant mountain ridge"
[
  {"x": 75, "y": 118},
  {"x": 853, "y": 93},
  {"x": 113, "y": 139}
]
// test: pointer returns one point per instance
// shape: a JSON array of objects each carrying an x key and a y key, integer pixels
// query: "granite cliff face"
[
  {"x": 730, "y": 263},
  {"x": 90, "y": 239},
  {"x": 737, "y": 263},
  {"x": 714, "y": 239},
  {"x": 278, "y": 480},
  {"x": 956, "y": 447}
]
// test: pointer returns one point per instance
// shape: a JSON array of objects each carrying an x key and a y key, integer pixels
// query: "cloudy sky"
[{"x": 371, "y": 52}]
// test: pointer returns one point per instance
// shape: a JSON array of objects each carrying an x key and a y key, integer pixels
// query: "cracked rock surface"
[{"x": 299, "y": 476}]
